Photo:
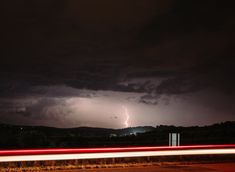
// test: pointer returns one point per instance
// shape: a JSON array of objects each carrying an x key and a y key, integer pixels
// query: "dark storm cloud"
[
  {"x": 187, "y": 17},
  {"x": 96, "y": 44},
  {"x": 159, "y": 49},
  {"x": 35, "y": 111},
  {"x": 72, "y": 41},
  {"x": 63, "y": 42}
]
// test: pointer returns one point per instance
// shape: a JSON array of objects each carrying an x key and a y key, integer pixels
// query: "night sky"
[{"x": 117, "y": 63}]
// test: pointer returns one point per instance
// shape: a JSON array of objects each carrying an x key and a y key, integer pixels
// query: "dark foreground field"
[
  {"x": 218, "y": 167},
  {"x": 205, "y": 163}
]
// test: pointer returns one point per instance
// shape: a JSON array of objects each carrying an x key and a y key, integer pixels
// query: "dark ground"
[
  {"x": 22, "y": 137},
  {"x": 218, "y": 167}
]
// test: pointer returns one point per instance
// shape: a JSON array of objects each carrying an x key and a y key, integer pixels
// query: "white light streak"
[
  {"x": 116, "y": 154},
  {"x": 126, "y": 123}
]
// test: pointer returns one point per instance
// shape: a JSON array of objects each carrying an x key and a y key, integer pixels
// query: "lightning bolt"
[{"x": 127, "y": 117}]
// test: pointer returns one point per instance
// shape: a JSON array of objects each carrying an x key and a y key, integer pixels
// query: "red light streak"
[{"x": 89, "y": 153}]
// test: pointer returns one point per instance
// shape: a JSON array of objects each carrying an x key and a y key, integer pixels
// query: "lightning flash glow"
[{"x": 127, "y": 117}]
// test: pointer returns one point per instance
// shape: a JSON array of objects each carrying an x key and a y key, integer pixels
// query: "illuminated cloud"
[{"x": 75, "y": 63}]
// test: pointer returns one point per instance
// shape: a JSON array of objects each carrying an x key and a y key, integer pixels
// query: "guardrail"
[{"x": 115, "y": 152}]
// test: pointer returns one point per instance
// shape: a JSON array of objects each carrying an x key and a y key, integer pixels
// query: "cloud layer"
[{"x": 152, "y": 52}]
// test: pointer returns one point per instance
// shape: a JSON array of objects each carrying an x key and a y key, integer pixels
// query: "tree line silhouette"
[{"x": 16, "y": 137}]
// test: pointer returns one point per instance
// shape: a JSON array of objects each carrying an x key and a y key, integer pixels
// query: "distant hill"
[
  {"x": 79, "y": 131},
  {"x": 13, "y": 136}
]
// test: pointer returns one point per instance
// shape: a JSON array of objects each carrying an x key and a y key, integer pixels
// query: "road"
[{"x": 218, "y": 167}]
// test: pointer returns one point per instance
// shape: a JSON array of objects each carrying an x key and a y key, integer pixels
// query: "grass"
[{"x": 111, "y": 163}]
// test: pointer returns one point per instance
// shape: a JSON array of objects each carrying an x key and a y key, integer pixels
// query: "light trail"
[
  {"x": 96, "y": 153},
  {"x": 114, "y": 155}
]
